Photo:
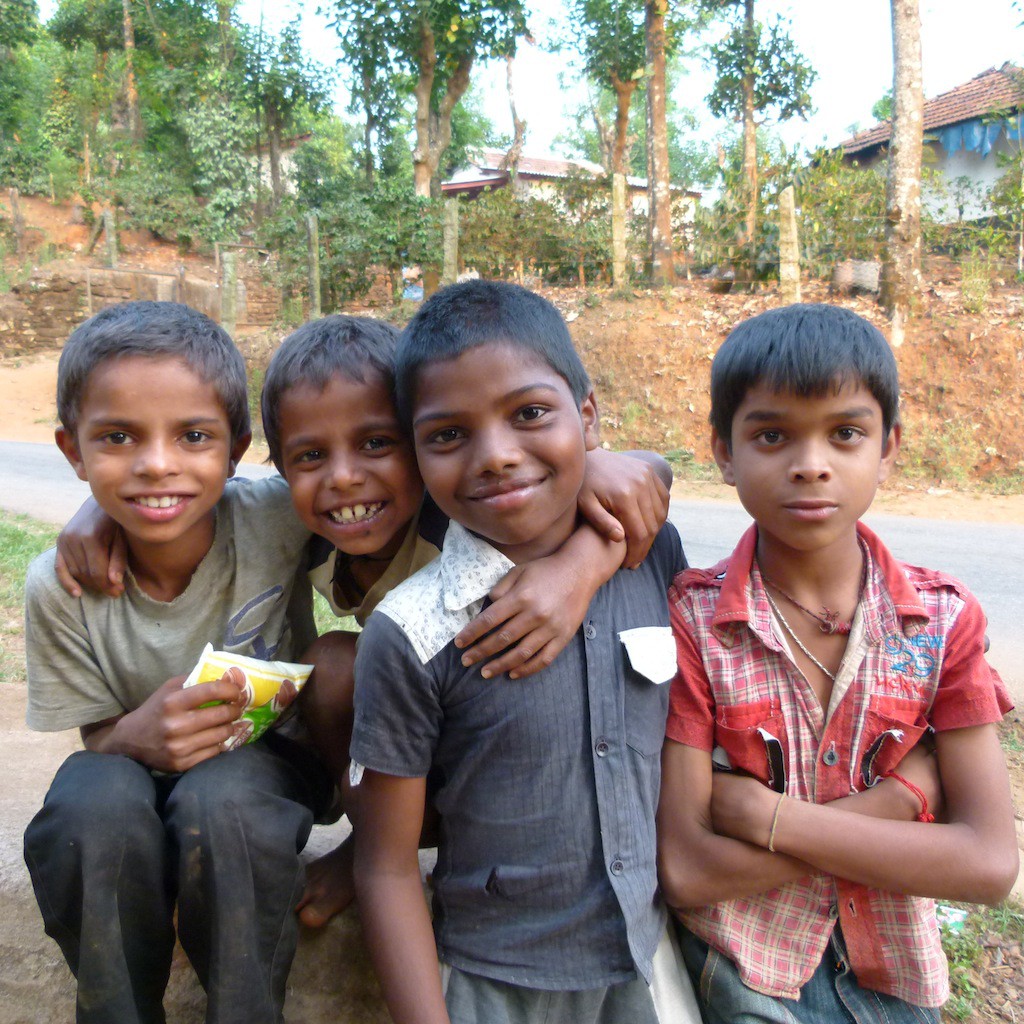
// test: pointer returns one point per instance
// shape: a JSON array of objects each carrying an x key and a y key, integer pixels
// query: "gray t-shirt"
[
  {"x": 548, "y": 785},
  {"x": 94, "y": 657}
]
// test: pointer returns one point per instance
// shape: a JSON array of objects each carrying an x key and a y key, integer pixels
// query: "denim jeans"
[
  {"x": 831, "y": 996},
  {"x": 116, "y": 847}
]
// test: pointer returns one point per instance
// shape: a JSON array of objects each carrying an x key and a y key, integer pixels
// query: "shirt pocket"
[
  {"x": 892, "y": 726},
  {"x": 650, "y": 663},
  {"x": 753, "y": 737},
  {"x": 524, "y": 884}
]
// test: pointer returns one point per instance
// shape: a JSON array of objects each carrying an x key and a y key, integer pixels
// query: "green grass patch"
[
  {"x": 969, "y": 947},
  {"x": 326, "y": 620},
  {"x": 686, "y": 467},
  {"x": 21, "y": 539}
]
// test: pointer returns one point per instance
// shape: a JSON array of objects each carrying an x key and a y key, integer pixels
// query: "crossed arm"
[{"x": 714, "y": 828}]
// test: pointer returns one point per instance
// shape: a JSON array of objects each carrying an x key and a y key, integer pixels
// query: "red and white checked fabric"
[{"x": 915, "y": 658}]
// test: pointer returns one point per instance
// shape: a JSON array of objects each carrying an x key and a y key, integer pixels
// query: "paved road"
[{"x": 989, "y": 558}]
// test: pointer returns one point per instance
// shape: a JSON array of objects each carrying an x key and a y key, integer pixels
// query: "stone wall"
[{"x": 39, "y": 314}]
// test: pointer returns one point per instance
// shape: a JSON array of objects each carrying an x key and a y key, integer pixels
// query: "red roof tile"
[
  {"x": 995, "y": 89},
  {"x": 543, "y": 167}
]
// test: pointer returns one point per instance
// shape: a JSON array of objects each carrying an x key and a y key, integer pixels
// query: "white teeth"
[
  {"x": 166, "y": 501},
  {"x": 354, "y": 513}
]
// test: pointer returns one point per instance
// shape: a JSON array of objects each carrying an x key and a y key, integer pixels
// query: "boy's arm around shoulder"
[
  {"x": 91, "y": 553},
  {"x": 540, "y": 605},
  {"x": 625, "y": 496}
]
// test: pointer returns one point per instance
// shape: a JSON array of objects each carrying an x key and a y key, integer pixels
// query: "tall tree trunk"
[
  {"x": 227, "y": 39},
  {"x": 623, "y": 97},
  {"x": 274, "y": 157},
  {"x": 422, "y": 170},
  {"x": 434, "y": 127},
  {"x": 901, "y": 270},
  {"x": 662, "y": 265},
  {"x": 748, "y": 236},
  {"x": 510, "y": 161},
  {"x": 605, "y": 137},
  {"x": 368, "y": 126},
  {"x": 130, "y": 88}
]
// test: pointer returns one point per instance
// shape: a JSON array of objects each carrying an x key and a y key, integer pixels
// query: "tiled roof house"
[
  {"x": 961, "y": 132},
  {"x": 540, "y": 174}
]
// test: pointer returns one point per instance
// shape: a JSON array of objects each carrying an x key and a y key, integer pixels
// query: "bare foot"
[{"x": 329, "y": 886}]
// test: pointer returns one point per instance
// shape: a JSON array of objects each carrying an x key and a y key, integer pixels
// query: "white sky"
[{"x": 848, "y": 44}]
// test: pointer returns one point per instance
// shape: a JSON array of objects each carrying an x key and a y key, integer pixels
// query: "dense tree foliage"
[
  {"x": 424, "y": 49},
  {"x": 202, "y": 129}
]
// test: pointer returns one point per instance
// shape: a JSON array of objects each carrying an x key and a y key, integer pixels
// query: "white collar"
[{"x": 470, "y": 567}]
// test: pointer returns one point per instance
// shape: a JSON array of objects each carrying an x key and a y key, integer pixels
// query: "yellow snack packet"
[{"x": 270, "y": 687}]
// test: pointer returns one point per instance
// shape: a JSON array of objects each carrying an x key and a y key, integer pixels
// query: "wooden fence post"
[
  {"x": 110, "y": 228},
  {"x": 18, "y": 223},
  {"x": 789, "y": 247},
  {"x": 450, "y": 241},
  {"x": 313, "y": 239},
  {"x": 228, "y": 292}
]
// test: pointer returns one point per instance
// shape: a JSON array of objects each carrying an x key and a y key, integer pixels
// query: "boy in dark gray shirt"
[{"x": 545, "y": 890}]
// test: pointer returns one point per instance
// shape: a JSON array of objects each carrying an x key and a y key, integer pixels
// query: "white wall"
[{"x": 982, "y": 172}]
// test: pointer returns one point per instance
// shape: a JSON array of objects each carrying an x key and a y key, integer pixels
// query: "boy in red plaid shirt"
[{"x": 816, "y": 667}]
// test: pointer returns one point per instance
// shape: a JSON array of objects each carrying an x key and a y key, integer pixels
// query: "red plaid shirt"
[{"x": 915, "y": 658}]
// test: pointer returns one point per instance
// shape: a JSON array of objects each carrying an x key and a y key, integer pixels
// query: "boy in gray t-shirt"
[{"x": 155, "y": 814}]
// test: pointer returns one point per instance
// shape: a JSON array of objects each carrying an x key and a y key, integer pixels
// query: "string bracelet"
[
  {"x": 775, "y": 822},
  {"x": 925, "y": 815}
]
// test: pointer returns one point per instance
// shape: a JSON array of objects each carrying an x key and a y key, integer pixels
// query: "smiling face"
[
  {"x": 153, "y": 440},
  {"x": 807, "y": 468},
  {"x": 351, "y": 470},
  {"x": 501, "y": 445}
]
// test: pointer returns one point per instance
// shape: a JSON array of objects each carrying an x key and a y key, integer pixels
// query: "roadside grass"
[
  {"x": 985, "y": 945},
  {"x": 984, "y": 961},
  {"x": 21, "y": 539},
  {"x": 686, "y": 467}
]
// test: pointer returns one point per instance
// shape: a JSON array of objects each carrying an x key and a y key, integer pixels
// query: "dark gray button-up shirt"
[{"x": 546, "y": 871}]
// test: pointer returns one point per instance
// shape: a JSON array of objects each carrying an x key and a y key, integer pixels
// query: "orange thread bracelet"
[{"x": 925, "y": 815}]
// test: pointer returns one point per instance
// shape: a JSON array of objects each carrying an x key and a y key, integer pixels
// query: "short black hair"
[
  {"x": 169, "y": 330},
  {"x": 357, "y": 347},
  {"x": 473, "y": 313},
  {"x": 806, "y": 349}
]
